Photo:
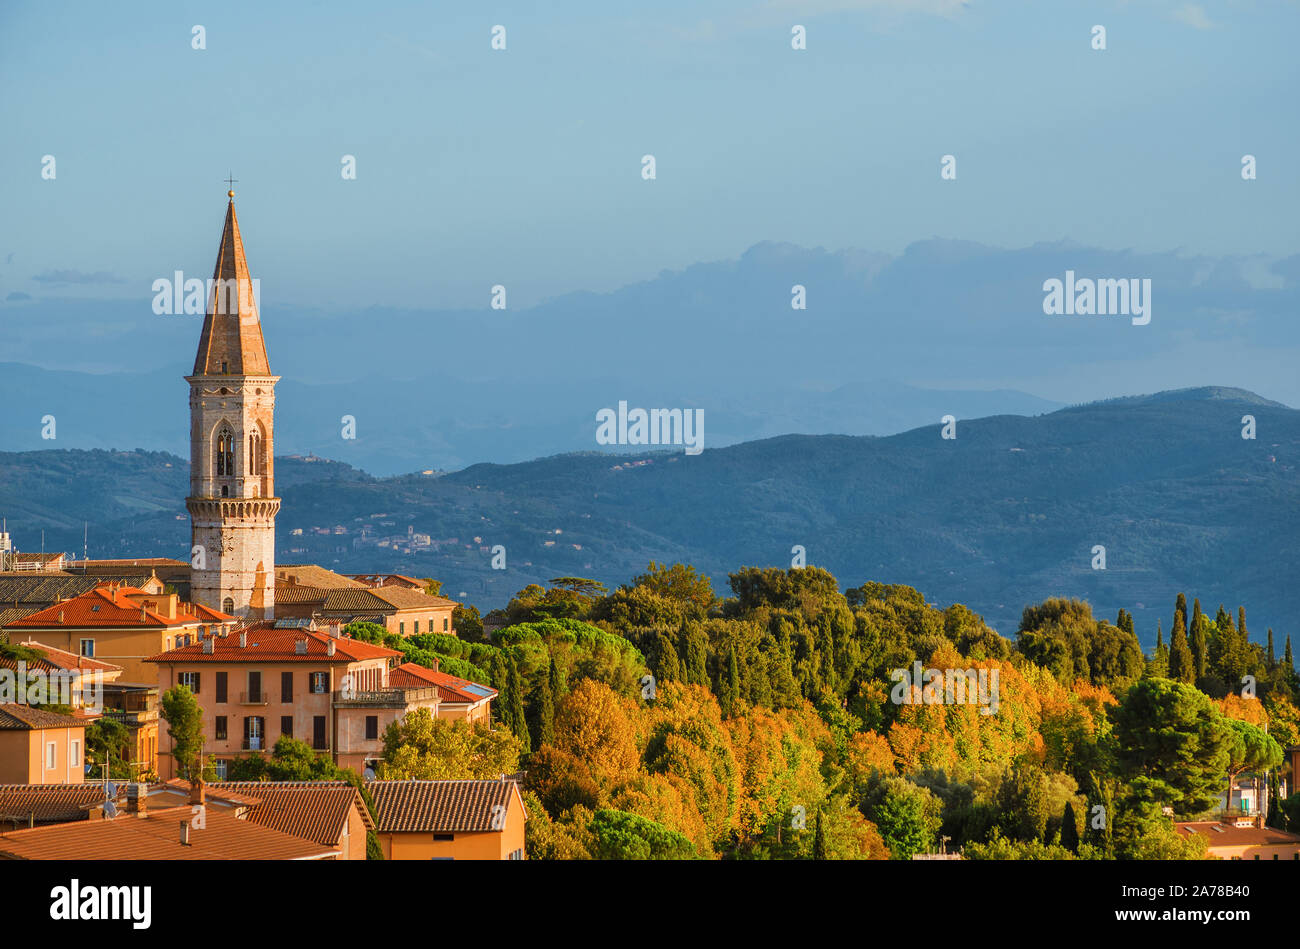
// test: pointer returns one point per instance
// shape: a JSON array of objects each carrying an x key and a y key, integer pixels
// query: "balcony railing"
[
  {"x": 131, "y": 719},
  {"x": 384, "y": 698},
  {"x": 253, "y": 744}
]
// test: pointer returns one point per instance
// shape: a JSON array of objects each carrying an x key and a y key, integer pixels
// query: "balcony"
[
  {"x": 131, "y": 718},
  {"x": 384, "y": 698},
  {"x": 253, "y": 744},
  {"x": 253, "y": 698}
]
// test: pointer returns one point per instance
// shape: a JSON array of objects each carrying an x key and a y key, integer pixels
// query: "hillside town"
[{"x": 93, "y": 765}]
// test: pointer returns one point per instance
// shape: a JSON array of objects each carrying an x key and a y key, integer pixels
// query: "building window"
[
  {"x": 255, "y": 686},
  {"x": 252, "y": 454},
  {"x": 221, "y": 728},
  {"x": 517, "y": 854},
  {"x": 372, "y": 727},
  {"x": 318, "y": 732},
  {"x": 225, "y": 454},
  {"x": 51, "y": 756},
  {"x": 417, "y": 627},
  {"x": 441, "y": 837},
  {"x": 74, "y": 754},
  {"x": 286, "y": 726},
  {"x": 254, "y": 729},
  {"x": 191, "y": 680},
  {"x": 401, "y": 628},
  {"x": 446, "y": 624},
  {"x": 88, "y": 648},
  {"x": 286, "y": 687},
  {"x": 228, "y": 606},
  {"x": 320, "y": 683},
  {"x": 220, "y": 767},
  {"x": 221, "y": 686}
]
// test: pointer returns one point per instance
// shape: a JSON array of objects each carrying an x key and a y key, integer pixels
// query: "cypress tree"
[
  {"x": 1160, "y": 660},
  {"x": 1069, "y": 829},
  {"x": 1200, "y": 644},
  {"x": 668, "y": 668},
  {"x": 559, "y": 681},
  {"x": 1196, "y": 615},
  {"x": 518, "y": 717},
  {"x": 1272, "y": 656},
  {"x": 732, "y": 690},
  {"x": 500, "y": 681},
  {"x": 1241, "y": 624},
  {"x": 819, "y": 840},
  {"x": 1182, "y": 667},
  {"x": 1180, "y": 606},
  {"x": 697, "y": 669},
  {"x": 1288, "y": 662},
  {"x": 544, "y": 734}
]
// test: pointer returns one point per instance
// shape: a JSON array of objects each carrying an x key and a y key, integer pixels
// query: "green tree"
[
  {"x": 623, "y": 836},
  {"x": 518, "y": 716},
  {"x": 421, "y": 747},
  {"x": 1182, "y": 666},
  {"x": 544, "y": 731},
  {"x": 185, "y": 729},
  {"x": 1172, "y": 746}
]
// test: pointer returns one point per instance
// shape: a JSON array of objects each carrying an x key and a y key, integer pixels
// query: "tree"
[
  {"x": 544, "y": 732},
  {"x": 1171, "y": 745},
  {"x": 185, "y": 729},
  {"x": 1159, "y": 666},
  {"x": 595, "y": 725},
  {"x": 667, "y": 666},
  {"x": 518, "y": 716},
  {"x": 1182, "y": 667},
  {"x": 730, "y": 692},
  {"x": 421, "y": 747},
  {"x": 109, "y": 741},
  {"x": 1070, "y": 829},
  {"x": 467, "y": 622},
  {"x": 819, "y": 840},
  {"x": 1200, "y": 640},
  {"x": 906, "y": 815},
  {"x": 432, "y": 587},
  {"x": 623, "y": 836},
  {"x": 1249, "y": 749}
]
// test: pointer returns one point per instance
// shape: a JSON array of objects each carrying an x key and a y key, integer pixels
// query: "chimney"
[
  {"x": 143, "y": 616},
  {"x": 329, "y": 648},
  {"x": 60, "y": 616},
  {"x": 207, "y": 645},
  {"x": 243, "y": 638},
  {"x": 197, "y": 794},
  {"x": 185, "y": 833},
  {"x": 137, "y": 798},
  {"x": 300, "y": 647}
]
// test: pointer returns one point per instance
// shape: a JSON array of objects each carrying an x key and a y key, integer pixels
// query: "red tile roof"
[
  {"x": 450, "y": 688},
  {"x": 440, "y": 806},
  {"x": 48, "y": 802},
  {"x": 313, "y": 810},
  {"x": 266, "y": 644},
  {"x": 15, "y": 717},
  {"x": 1227, "y": 835},
  {"x": 157, "y": 837},
  {"x": 110, "y": 606},
  {"x": 57, "y": 660}
]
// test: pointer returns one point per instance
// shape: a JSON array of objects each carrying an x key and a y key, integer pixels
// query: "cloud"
[
  {"x": 17, "y": 296},
  {"x": 1193, "y": 15},
  {"x": 64, "y": 278}
]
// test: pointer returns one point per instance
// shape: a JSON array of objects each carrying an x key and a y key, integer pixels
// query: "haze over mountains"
[
  {"x": 886, "y": 344},
  {"x": 1006, "y": 514}
]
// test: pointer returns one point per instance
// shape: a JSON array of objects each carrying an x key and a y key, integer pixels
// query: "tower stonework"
[{"x": 232, "y": 500}]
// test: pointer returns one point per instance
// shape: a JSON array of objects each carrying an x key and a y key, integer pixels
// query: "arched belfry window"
[
  {"x": 225, "y": 453},
  {"x": 254, "y": 454},
  {"x": 228, "y": 606}
]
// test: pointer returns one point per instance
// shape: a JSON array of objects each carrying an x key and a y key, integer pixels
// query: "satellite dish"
[{"x": 110, "y": 809}]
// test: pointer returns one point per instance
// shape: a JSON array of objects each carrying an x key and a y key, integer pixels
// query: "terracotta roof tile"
[
  {"x": 450, "y": 688},
  {"x": 110, "y": 606},
  {"x": 58, "y": 660},
  {"x": 438, "y": 806},
  {"x": 311, "y": 575},
  {"x": 1227, "y": 835},
  {"x": 157, "y": 837},
  {"x": 48, "y": 802},
  {"x": 266, "y": 644},
  {"x": 313, "y": 810},
  {"x": 15, "y": 717}
]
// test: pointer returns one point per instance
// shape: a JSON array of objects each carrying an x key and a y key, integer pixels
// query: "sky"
[{"x": 522, "y": 166}]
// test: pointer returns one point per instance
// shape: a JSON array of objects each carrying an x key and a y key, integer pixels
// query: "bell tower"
[{"x": 232, "y": 500}]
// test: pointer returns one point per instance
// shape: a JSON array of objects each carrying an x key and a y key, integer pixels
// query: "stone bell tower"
[{"x": 232, "y": 500}]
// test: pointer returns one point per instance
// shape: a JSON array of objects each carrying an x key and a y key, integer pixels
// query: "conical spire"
[{"x": 231, "y": 343}]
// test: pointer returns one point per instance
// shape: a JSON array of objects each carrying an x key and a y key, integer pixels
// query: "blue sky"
[{"x": 522, "y": 167}]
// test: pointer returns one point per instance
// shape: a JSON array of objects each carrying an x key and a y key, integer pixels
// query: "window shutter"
[
  {"x": 286, "y": 686},
  {"x": 221, "y": 686},
  {"x": 254, "y": 686},
  {"x": 248, "y": 729}
]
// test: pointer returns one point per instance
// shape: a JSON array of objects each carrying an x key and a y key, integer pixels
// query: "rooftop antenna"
[{"x": 85, "y": 541}]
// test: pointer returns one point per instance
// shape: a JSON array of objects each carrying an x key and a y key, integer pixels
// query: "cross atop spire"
[{"x": 230, "y": 183}]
